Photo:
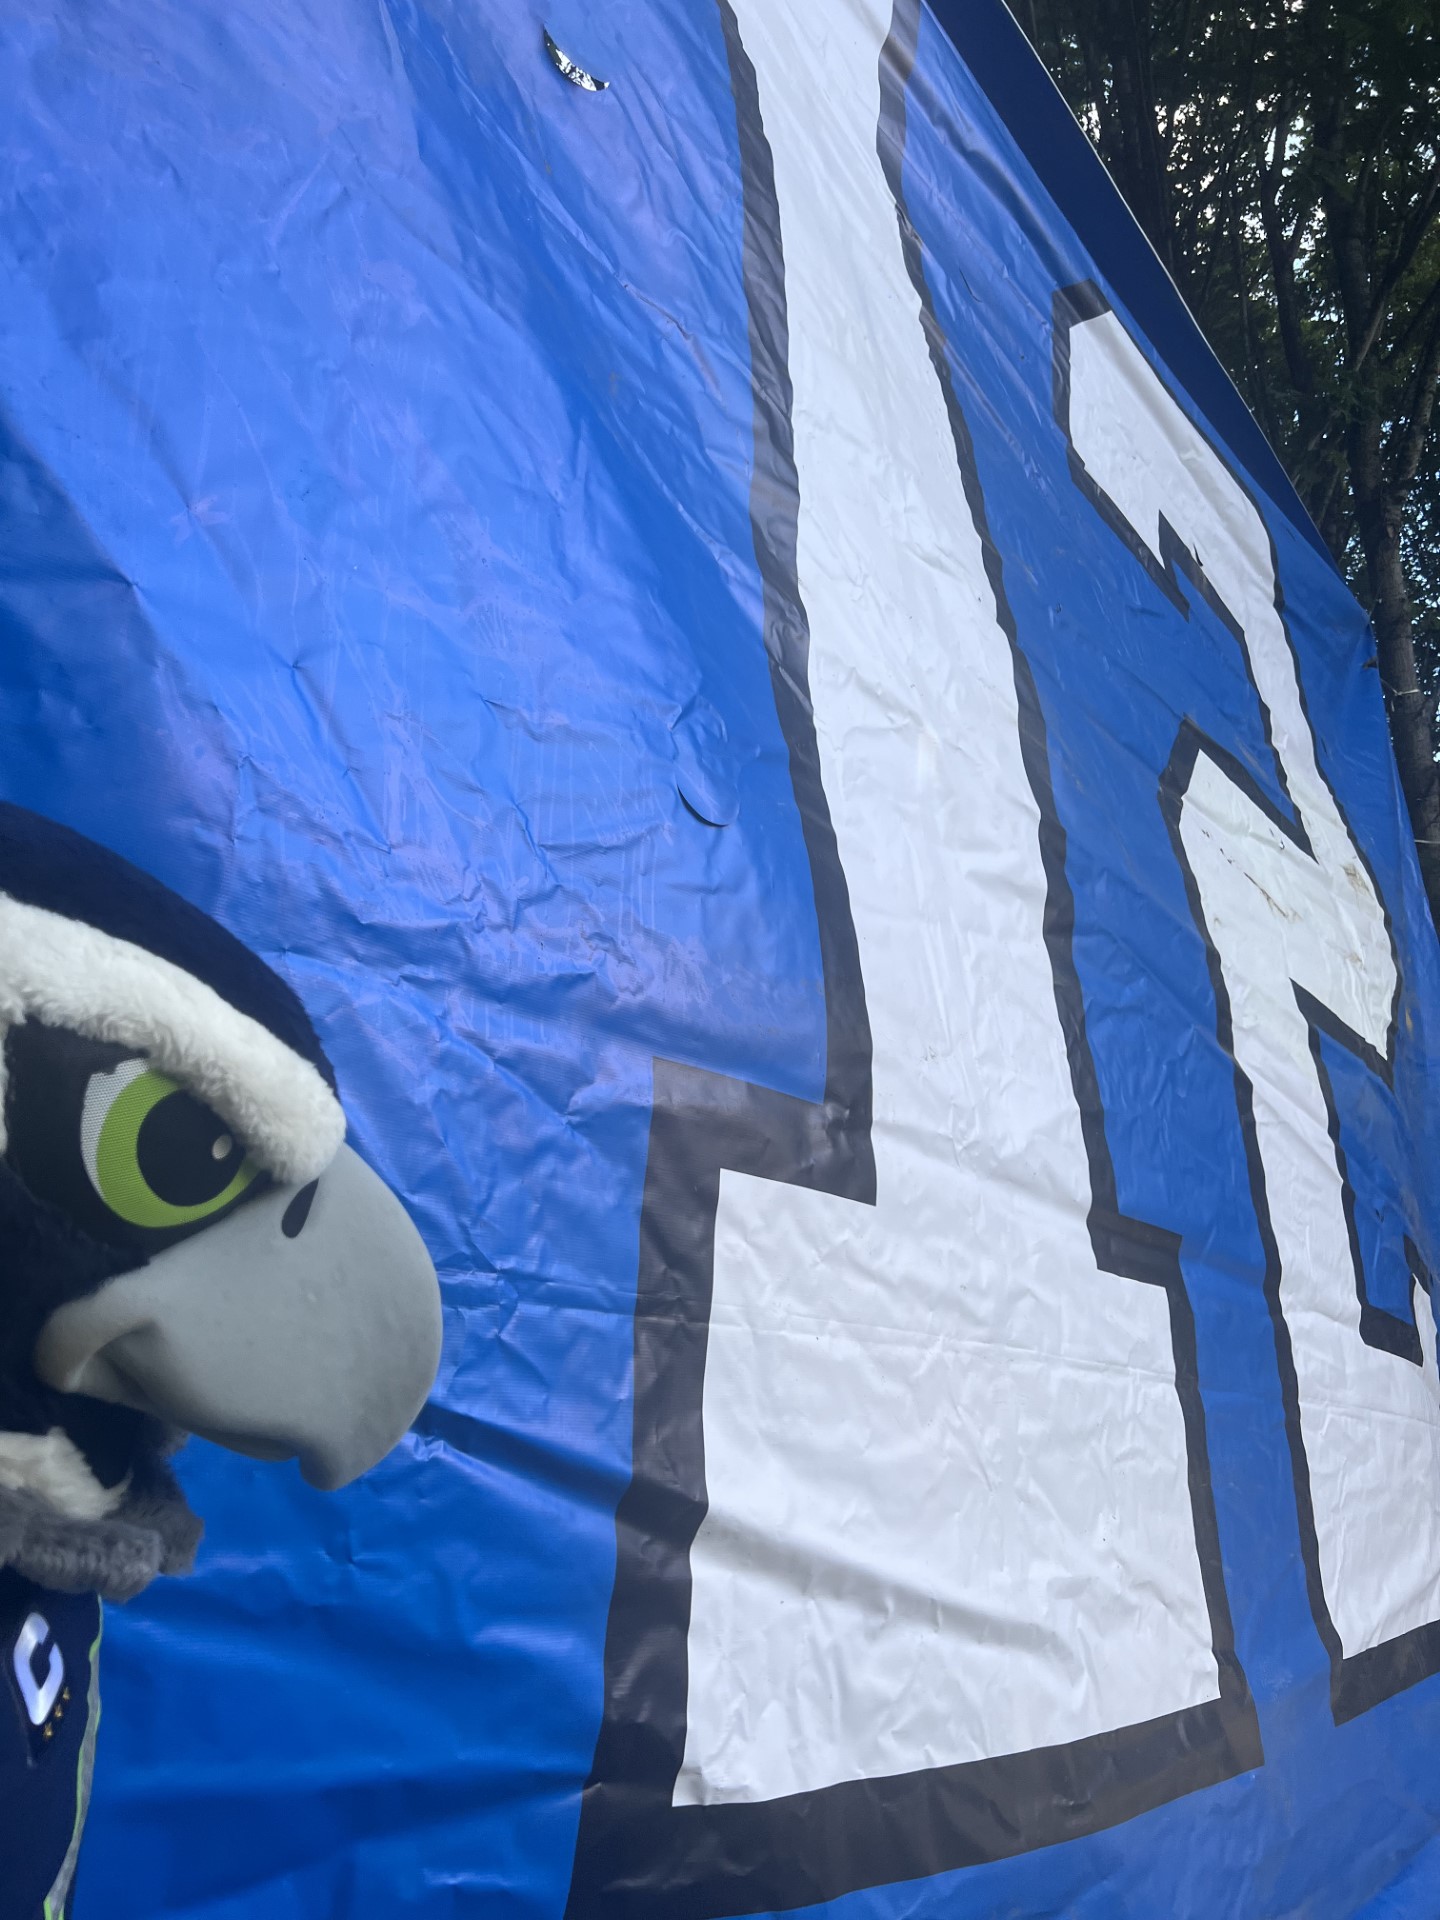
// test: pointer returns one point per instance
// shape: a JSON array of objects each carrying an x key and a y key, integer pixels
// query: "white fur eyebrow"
[{"x": 72, "y": 975}]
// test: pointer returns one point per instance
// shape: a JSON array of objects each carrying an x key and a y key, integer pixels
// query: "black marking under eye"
[{"x": 292, "y": 1223}]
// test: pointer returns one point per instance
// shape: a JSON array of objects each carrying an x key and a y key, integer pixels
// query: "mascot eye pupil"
[
  {"x": 184, "y": 1153},
  {"x": 156, "y": 1155}
]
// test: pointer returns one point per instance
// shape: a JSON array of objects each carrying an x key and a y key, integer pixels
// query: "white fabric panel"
[
  {"x": 1370, "y": 1421},
  {"x": 949, "y": 1515}
]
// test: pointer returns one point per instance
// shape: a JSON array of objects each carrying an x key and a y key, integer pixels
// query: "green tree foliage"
[{"x": 1284, "y": 159}]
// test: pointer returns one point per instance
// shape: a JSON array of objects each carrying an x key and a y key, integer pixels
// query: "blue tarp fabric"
[{"x": 728, "y": 637}]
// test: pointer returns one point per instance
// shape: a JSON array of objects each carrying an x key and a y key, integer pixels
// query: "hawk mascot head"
[{"x": 188, "y": 1245}]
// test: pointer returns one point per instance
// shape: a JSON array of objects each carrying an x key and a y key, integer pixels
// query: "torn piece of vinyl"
[{"x": 574, "y": 73}]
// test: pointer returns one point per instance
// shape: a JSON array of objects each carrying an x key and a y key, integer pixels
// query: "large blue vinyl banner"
[{"x": 724, "y": 633}]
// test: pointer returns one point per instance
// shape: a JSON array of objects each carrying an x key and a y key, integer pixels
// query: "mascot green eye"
[{"x": 155, "y": 1155}]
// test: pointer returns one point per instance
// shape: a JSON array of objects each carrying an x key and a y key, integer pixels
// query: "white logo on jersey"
[{"x": 39, "y": 1698}]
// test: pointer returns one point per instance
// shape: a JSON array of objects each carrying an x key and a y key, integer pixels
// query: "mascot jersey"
[
  {"x": 186, "y": 1246},
  {"x": 49, "y": 1643}
]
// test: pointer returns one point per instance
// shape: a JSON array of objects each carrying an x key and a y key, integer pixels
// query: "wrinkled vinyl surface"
[{"x": 730, "y": 640}]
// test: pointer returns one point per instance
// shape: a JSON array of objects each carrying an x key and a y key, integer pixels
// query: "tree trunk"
[{"x": 1412, "y": 716}]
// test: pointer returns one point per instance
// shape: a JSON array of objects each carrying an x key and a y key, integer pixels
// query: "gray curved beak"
[{"x": 320, "y": 1343}]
